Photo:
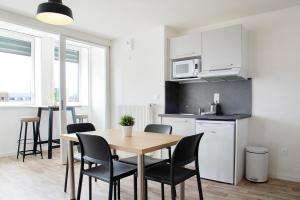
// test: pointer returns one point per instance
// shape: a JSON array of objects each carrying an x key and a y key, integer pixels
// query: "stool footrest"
[{"x": 32, "y": 152}]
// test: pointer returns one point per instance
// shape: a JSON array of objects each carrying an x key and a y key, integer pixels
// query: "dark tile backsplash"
[{"x": 235, "y": 96}]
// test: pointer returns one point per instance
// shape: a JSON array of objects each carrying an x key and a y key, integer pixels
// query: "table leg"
[
  {"x": 141, "y": 189},
  {"x": 181, "y": 191},
  {"x": 73, "y": 114},
  {"x": 50, "y": 132},
  {"x": 39, "y": 114},
  {"x": 71, "y": 170}
]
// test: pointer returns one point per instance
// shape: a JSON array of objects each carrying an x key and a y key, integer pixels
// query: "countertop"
[{"x": 225, "y": 117}]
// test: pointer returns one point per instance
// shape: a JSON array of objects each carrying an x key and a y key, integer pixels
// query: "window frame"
[
  {"x": 31, "y": 39},
  {"x": 78, "y": 48}
]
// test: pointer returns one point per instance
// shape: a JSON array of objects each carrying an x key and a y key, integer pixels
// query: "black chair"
[
  {"x": 174, "y": 173},
  {"x": 95, "y": 149},
  {"x": 148, "y": 160},
  {"x": 79, "y": 128}
]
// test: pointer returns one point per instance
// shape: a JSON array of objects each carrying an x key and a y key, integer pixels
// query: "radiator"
[{"x": 143, "y": 114}]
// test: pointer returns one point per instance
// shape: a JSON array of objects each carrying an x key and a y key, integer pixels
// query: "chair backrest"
[
  {"x": 81, "y": 127},
  {"x": 186, "y": 151},
  {"x": 158, "y": 128},
  {"x": 94, "y": 149}
]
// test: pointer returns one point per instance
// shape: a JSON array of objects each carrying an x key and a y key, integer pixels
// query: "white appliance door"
[
  {"x": 183, "y": 69},
  {"x": 216, "y": 150}
]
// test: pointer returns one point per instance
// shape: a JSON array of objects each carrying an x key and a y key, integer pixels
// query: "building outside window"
[{"x": 16, "y": 68}]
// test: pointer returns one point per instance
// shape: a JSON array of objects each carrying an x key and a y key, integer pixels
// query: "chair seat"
[
  {"x": 161, "y": 173},
  {"x": 120, "y": 171},
  {"x": 148, "y": 161},
  {"x": 81, "y": 116},
  {"x": 30, "y": 119}
]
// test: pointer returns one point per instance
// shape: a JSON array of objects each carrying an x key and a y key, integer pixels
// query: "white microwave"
[{"x": 186, "y": 68}]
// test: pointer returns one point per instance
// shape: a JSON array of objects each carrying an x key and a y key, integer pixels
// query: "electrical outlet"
[
  {"x": 284, "y": 151},
  {"x": 216, "y": 97}
]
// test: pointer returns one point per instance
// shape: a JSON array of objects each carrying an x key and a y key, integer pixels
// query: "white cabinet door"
[
  {"x": 181, "y": 126},
  {"x": 222, "y": 49},
  {"x": 216, "y": 150},
  {"x": 186, "y": 46}
]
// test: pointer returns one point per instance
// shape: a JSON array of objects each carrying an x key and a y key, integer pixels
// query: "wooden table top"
[{"x": 139, "y": 143}]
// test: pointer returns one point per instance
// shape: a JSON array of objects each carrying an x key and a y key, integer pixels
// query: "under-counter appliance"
[
  {"x": 216, "y": 150},
  {"x": 188, "y": 68}
]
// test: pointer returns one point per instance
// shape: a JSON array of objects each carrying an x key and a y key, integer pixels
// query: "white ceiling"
[{"x": 114, "y": 18}]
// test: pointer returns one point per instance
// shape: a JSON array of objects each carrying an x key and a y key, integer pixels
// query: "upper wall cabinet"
[
  {"x": 222, "y": 49},
  {"x": 186, "y": 46}
]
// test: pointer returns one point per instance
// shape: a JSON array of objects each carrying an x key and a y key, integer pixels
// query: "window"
[
  {"x": 16, "y": 68},
  {"x": 76, "y": 67}
]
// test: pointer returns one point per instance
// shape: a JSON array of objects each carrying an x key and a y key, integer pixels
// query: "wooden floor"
[{"x": 38, "y": 179}]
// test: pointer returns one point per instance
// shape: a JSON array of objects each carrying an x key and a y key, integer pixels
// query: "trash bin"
[{"x": 257, "y": 164}]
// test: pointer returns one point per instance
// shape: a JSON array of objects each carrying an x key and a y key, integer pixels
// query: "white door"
[
  {"x": 186, "y": 46},
  {"x": 222, "y": 49},
  {"x": 216, "y": 150}
]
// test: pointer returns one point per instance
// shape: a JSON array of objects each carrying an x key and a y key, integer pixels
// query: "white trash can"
[{"x": 257, "y": 164}]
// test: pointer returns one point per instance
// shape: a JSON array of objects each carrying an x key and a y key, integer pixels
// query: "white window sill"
[{"x": 34, "y": 106}]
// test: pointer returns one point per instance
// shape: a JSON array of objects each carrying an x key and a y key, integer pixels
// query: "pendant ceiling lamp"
[{"x": 55, "y": 13}]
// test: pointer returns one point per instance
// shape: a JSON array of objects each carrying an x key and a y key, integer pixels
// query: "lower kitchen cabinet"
[
  {"x": 216, "y": 151},
  {"x": 181, "y": 126},
  {"x": 222, "y": 148}
]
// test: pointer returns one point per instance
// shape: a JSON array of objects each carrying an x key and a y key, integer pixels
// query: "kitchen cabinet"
[
  {"x": 186, "y": 46},
  {"x": 181, "y": 126},
  {"x": 216, "y": 151},
  {"x": 222, "y": 150},
  {"x": 222, "y": 49}
]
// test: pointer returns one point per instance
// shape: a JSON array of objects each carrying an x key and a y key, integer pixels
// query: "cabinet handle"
[
  {"x": 179, "y": 121},
  {"x": 221, "y": 67}
]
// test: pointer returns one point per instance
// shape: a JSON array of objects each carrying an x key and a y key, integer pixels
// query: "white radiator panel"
[{"x": 143, "y": 114}]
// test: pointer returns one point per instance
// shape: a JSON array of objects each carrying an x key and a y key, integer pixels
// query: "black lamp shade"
[{"x": 55, "y": 13}]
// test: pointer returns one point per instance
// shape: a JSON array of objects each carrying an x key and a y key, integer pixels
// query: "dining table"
[{"x": 139, "y": 143}]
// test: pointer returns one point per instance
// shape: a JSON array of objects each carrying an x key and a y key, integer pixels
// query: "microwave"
[{"x": 186, "y": 68}]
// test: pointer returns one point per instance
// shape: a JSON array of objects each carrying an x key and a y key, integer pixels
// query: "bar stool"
[
  {"x": 36, "y": 137},
  {"x": 81, "y": 118}
]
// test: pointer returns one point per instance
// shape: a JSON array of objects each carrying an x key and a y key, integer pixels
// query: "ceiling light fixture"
[{"x": 55, "y": 13}]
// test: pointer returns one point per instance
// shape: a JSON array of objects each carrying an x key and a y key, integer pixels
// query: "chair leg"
[
  {"x": 19, "y": 140},
  {"x": 90, "y": 184},
  {"x": 162, "y": 191},
  {"x": 66, "y": 177},
  {"x": 110, "y": 194},
  {"x": 199, "y": 186},
  {"x": 135, "y": 186},
  {"x": 79, "y": 186},
  {"x": 25, "y": 140},
  {"x": 119, "y": 189},
  {"x": 173, "y": 192},
  {"x": 96, "y": 166},
  {"x": 38, "y": 136},
  {"x": 146, "y": 189},
  {"x": 115, "y": 190}
]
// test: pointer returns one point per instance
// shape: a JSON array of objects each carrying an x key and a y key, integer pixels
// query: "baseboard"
[
  {"x": 286, "y": 178},
  {"x": 2, "y": 155}
]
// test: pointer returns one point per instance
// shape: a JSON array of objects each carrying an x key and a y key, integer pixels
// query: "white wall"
[
  {"x": 274, "y": 62},
  {"x": 137, "y": 76}
]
